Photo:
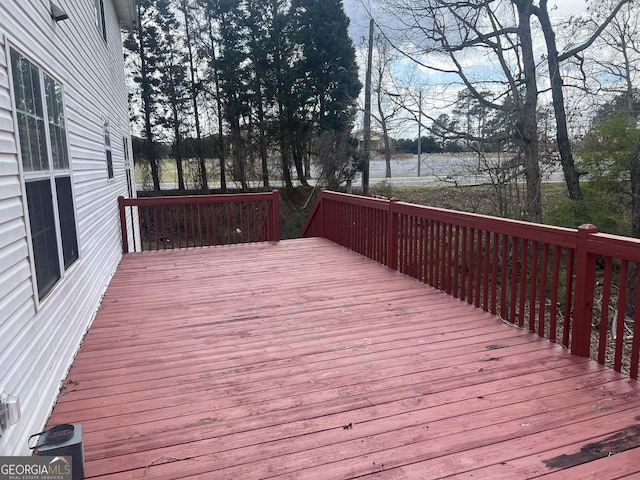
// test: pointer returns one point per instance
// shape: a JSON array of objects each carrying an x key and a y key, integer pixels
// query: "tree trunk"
[
  {"x": 298, "y": 150},
  {"x": 263, "y": 143},
  {"x": 286, "y": 167},
  {"x": 177, "y": 146},
  {"x": 221, "y": 154},
  {"x": 527, "y": 124},
  {"x": 153, "y": 161},
  {"x": 385, "y": 131},
  {"x": 216, "y": 79},
  {"x": 285, "y": 160},
  {"x": 366, "y": 144},
  {"x": 307, "y": 164},
  {"x": 146, "y": 104},
  {"x": 179, "y": 169},
  {"x": 194, "y": 98},
  {"x": 239, "y": 168},
  {"x": 387, "y": 149},
  {"x": 562, "y": 134}
]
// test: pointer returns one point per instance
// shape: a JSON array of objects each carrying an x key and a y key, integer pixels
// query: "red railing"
[
  {"x": 575, "y": 287},
  {"x": 164, "y": 223}
]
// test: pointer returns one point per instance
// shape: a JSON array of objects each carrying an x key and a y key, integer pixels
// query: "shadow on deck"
[{"x": 303, "y": 359}]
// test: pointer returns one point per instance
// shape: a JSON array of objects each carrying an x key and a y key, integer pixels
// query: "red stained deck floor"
[{"x": 303, "y": 360}]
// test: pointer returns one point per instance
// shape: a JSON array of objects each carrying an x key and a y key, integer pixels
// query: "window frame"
[
  {"x": 57, "y": 170},
  {"x": 128, "y": 166},
  {"x": 101, "y": 20},
  {"x": 108, "y": 149}
]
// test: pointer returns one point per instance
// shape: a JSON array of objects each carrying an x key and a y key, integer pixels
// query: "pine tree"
[
  {"x": 327, "y": 83},
  {"x": 144, "y": 47},
  {"x": 173, "y": 82}
]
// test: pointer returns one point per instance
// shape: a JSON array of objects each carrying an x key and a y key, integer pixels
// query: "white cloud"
[{"x": 441, "y": 89}]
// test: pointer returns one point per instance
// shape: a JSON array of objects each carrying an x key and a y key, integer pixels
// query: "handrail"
[
  {"x": 567, "y": 285},
  {"x": 163, "y": 223},
  {"x": 329, "y": 219}
]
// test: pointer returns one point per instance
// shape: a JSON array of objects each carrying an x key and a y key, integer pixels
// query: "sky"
[
  {"x": 359, "y": 31},
  {"x": 360, "y": 20}
]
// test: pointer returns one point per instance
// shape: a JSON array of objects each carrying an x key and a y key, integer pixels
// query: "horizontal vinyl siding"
[
  {"x": 38, "y": 346},
  {"x": 17, "y": 306}
]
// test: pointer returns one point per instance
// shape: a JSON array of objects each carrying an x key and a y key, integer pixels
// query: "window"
[
  {"x": 127, "y": 165},
  {"x": 45, "y": 166},
  {"x": 107, "y": 148},
  {"x": 100, "y": 20}
]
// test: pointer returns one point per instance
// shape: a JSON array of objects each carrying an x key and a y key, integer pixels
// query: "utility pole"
[
  {"x": 419, "y": 130},
  {"x": 367, "y": 115}
]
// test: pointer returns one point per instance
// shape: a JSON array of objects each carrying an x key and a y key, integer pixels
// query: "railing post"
[
  {"x": 392, "y": 235},
  {"x": 583, "y": 299},
  {"x": 275, "y": 212},
  {"x": 123, "y": 225}
]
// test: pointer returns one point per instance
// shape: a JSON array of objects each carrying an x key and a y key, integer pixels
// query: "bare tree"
[
  {"x": 456, "y": 28},
  {"x": 618, "y": 58},
  {"x": 386, "y": 93},
  {"x": 442, "y": 35},
  {"x": 554, "y": 59},
  {"x": 616, "y": 55}
]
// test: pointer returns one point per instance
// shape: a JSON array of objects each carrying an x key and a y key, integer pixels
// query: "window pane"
[
  {"x": 31, "y": 128},
  {"x": 102, "y": 25},
  {"x": 59, "y": 151},
  {"x": 127, "y": 165},
  {"x": 38, "y": 143},
  {"x": 107, "y": 147},
  {"x": 57, "y": 133},
  {"x": 33, "y": 144},
  {"x": 109, "y": 164},
  {"x": 18, "y": 81},
  {"x": 43, "y": 235},
  {"x": 67, "y": 221},
  {"x": 129, "y": 183}
]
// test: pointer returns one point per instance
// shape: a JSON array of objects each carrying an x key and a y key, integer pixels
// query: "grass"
[
  {"x": 476, "y": 198},
  {"x": 509, "y": 201}
]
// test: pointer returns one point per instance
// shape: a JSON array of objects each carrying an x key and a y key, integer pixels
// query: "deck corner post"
[
  {"x": 123, "y": 225},
  {"x": 392, "y": 236},
  {"x": 276, "y": 216},
  {"x": 584, "y": 291}
]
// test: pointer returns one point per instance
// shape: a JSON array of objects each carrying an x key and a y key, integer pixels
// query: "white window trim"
[{"x": 51, "y": 176}]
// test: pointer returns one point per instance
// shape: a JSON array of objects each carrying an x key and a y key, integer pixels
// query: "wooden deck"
[{"x": 303, "y": 360}]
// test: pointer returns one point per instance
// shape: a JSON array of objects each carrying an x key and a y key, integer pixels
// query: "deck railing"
[
  {"x": 164, "y": 223},
  {"x": 577, "y": 287}
]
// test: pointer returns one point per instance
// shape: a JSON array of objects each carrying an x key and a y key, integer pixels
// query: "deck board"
[{"x": 304, "y": 360}]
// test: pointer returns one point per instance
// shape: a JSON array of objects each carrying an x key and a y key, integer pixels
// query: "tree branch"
[{"x": 595, "y": 34}]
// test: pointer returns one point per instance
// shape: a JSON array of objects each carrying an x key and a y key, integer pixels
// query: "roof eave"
[{"x": 126, "y": 12}]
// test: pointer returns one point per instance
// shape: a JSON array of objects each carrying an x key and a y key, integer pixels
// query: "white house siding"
[{"x": 38, "y": 342}]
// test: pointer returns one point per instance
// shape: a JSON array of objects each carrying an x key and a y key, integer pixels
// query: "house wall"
[{"x": 38, "y": 341}]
